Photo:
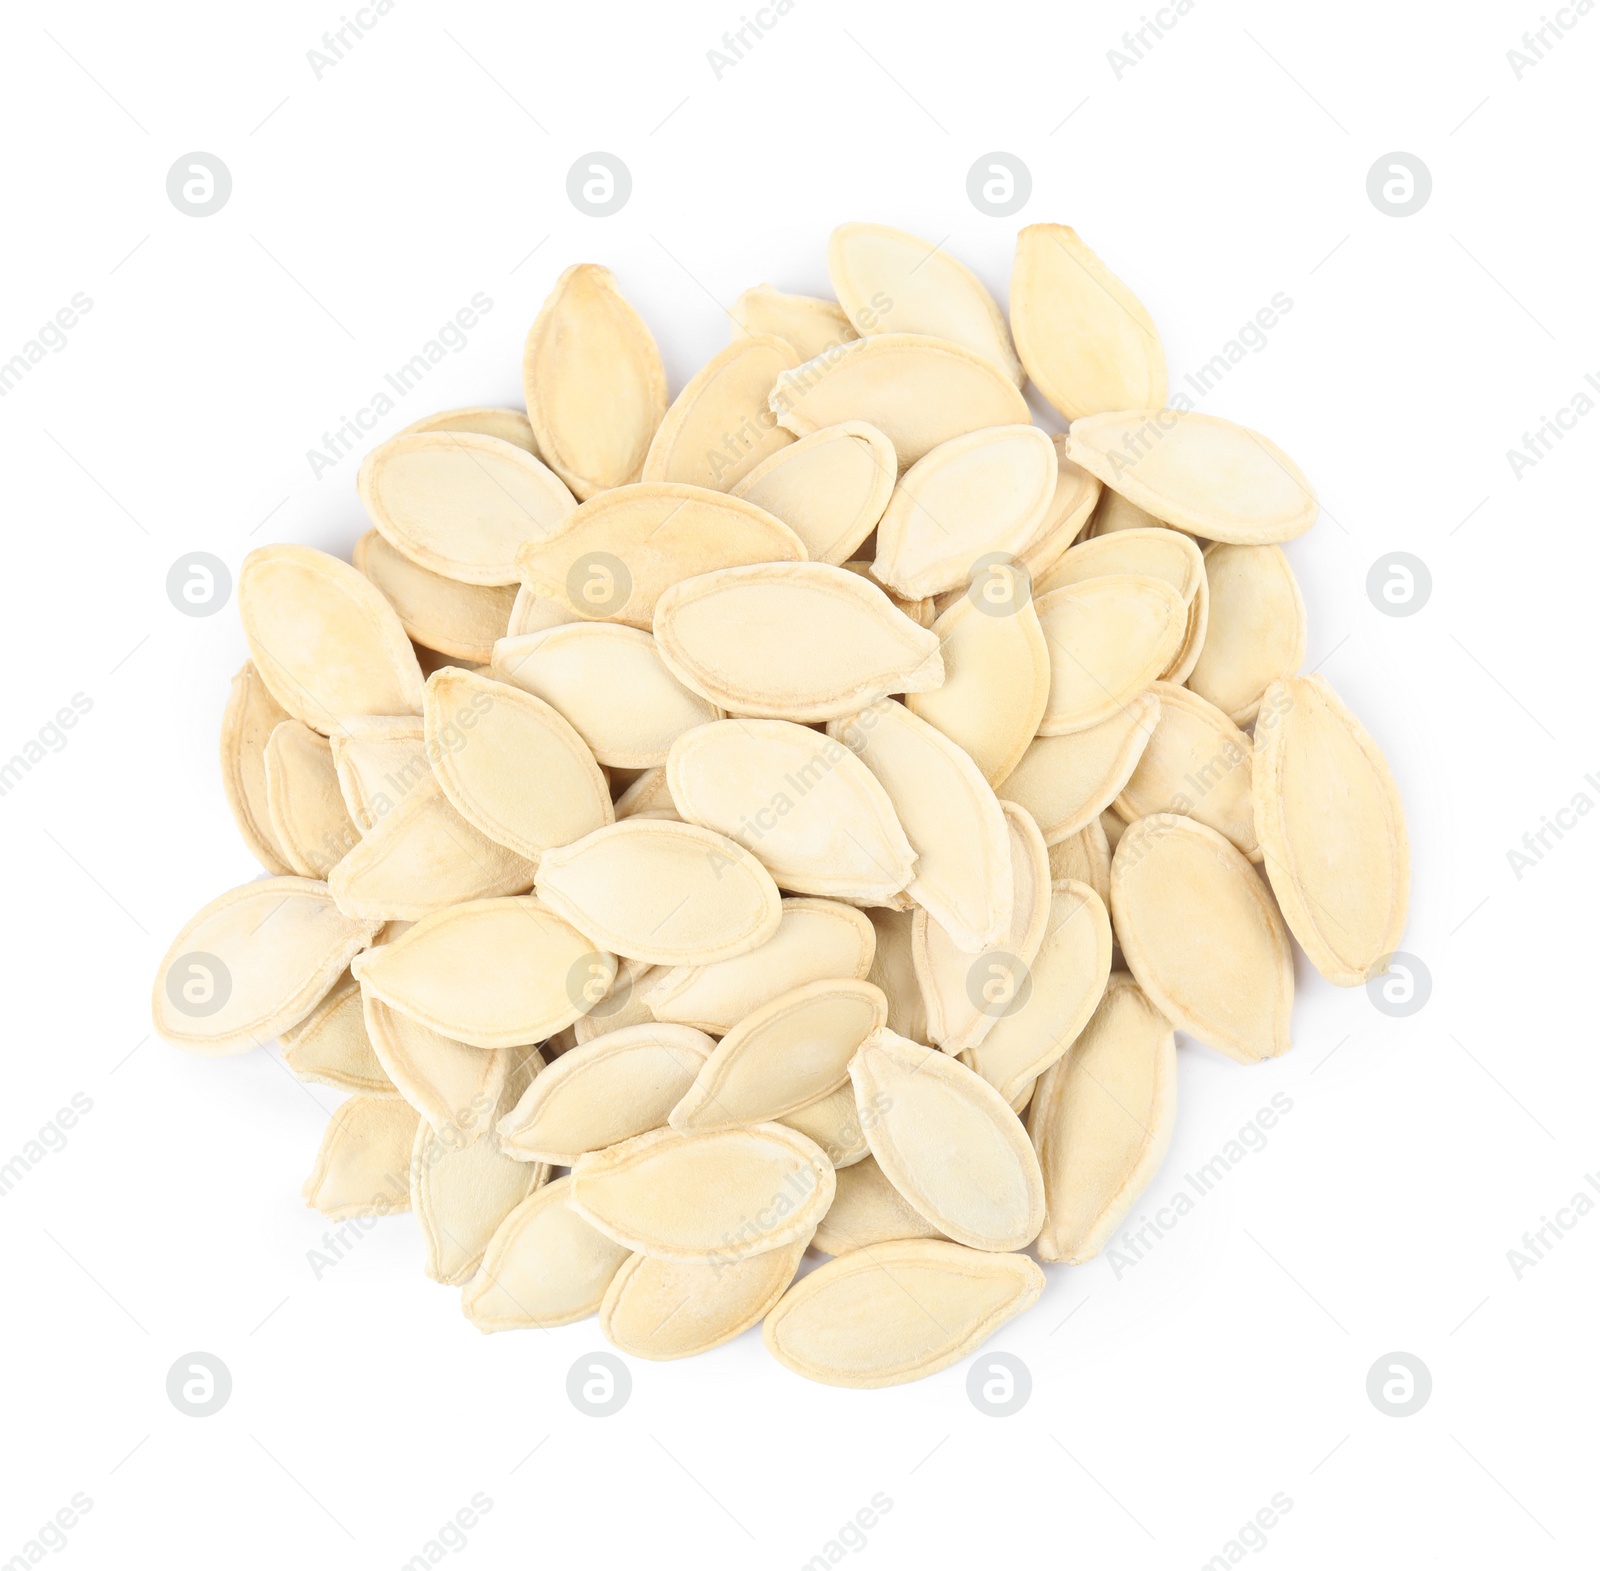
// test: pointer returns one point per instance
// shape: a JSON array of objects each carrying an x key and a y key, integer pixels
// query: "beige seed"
[
  {"x": 509, "y": 425},
  {"x": 362, "y": 1166},
  {"x": 462, "y": 620},
  {"x": 1147, "y": 553},
  {"x": 648, "y": 797},
  {"x": 1117, "y": 512},
  {"x": 1077, "y": 491},
  {"x": 868, "y": 1209},
  {"x": 248, "y": 721},
  {"x": 378, "y": 759},
  {"x": 811, "y": 325},
  {"x": 453, "y": 1085},
  {"x": 833, "y": 1122},
  {"x": 1257, "y": 630},
  {"x": 330, "y": 1046},
  {"x": 531, "y": 613},
  {"x": 304, "y": 805},
  {"x": 894, "y": 973},
  {"x": 1085, "y": 858}
]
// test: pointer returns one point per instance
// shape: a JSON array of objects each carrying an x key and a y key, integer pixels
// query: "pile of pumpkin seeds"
[{"x": 795, "y": 816}]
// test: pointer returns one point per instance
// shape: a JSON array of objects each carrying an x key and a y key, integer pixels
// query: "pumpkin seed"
[
  {"x": 889, "y": 281},
  {"x": 1146, "y": 553},
  {"x": 304, "y": 805},
  {"x": 811, "y": 325},
  {"x": 623, "y": 1005},
  {"x": 830, "y": 487},
  {"x": 609, "y": 683},
  {"x": 868, "y": 1209},
  {"x": 918, "y": 391},
  {"x": 1064, "y": 984},
  {"x": 782, "y": 1056},
  {"x": 894, "y": 972},
  {"x": 378, "y": 760},
  {"x": 330, "y": 1046},
  {"x": 616, "y": 1086},
  {"x": 816, "y": 939},
  {"x": 672, "y": 894},
  {"x": 324, "y": 641},
  {"x": 888, "y": 1313},
  {"x": 1329, "y": 818},
  {"x": 675, "y": 1309},
  {"x": 1257, "y": 631},
  {"x": 1213, "y": 478},
  {"x": 834, "y": 1124},
  {"x": 982, "y": 493},
  {"x": 247, "y": 722},
  {"x": 719, "y": 427},
  {"x": 648, "y": 797},
  {"x": 508, "y": 425},
  {"x": 544, "y": 1267},
  {"x": 1114, "y": 825},
  {"x": 453, "y": 1085},
  {"x": 714, "y": 1198},
  {"x": 252, "y": 963},
  {"x": 593, "y": 381},
  {"x": 1117, "y": 512},
  {"x": 362, "y": 1164},
  {"x": 621, "y": 551},
  {"x": 923, "y": 612},
  {"x": 1087, "y": 342},
  {"x": 1077, "y": 491},
  {"x": 456, "y": 619},
  {"x": 1202, "y": 936},
  {"x": 491, "y": 973},
  {"x": 1065, "y": 782},
  {"x": 531, "y": 613},
  {"x": 1102, "y": 1120},
  {"x": 802, "y": 642},
  {"x": 949, "y": 1143},
  {"x": 1085, "y": 857}
]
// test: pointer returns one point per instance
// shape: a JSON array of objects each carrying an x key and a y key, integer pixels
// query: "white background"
[{"x": 1227, "y": 165}]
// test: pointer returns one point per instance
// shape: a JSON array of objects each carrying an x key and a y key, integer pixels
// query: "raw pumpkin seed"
[
  {"x": 648, "y": 797},
  {"x": 509, "y": 425},
  {"x": 453, "y": 1085},
  {"x": 1257, "y": 630},
  {"x": 868, "y": 1209},
  {"x": 330, "y": 1046},
  {"x": 1077, "y": 491},
  {"x": 362, "y": 1166},
  {"x": 304, "y": 805},
  {"x": 894, "y": 973},
  {"x": 1085, "y": 857},
  {"x": 1116, "y": 512},
  {"x": 808, "y": 323},
  {"x": 834, "y": 1124},
  {"x": 454, "y": 618},
  {"x": 247, "y": 722},
  {"x": 531, "y": 613},
  {"x": 378, "y": 760}
]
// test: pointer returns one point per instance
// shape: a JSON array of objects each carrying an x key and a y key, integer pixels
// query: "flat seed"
[
  {"x": 1087, "y": 342},
  {"x": 949, "y": 1143},
  {"x": 803, "y": 642},
  {"x": 834, "y": 1124},
  {"x": 511, "y": 764},
  {"x": 648, "y": 797},
  {"x": 950, "y": 815},
  {"x": 611, "y": 686},
  {"x": 1085, "y": 857},
  {"x": 816, "y": 939},
  {"x": 966, "y": 995},
  {"x": 378, "y": 760},
  {"x": 868, "y": 1209},
  {"x": 453, "y": 1085},
  {"x": 247, "y": 722},
  {"x": 894, "y": 973},
  {"x": 672, "y": 1309},
  {"x": 304, "y": 805},
  {"x": 1077, "y": 491},
  {"x": 456, "y": 619},
  {"x": 918, "y": 391},
  {"x": 623, "y": 1005},
  {"x": 1114, "y": 825},
  {"x": 980, "y": 494},
  {"x": 719, "y": 427},
  {"x": 330, "y": 1046},
  {"x": 620, "y": 1084},
  {"x": 493, "y": 973},
  {"x": 252, "y": 963},
  {"x": 830, "y": 487},
  {"x": 1203, "y": 937},
  {"x": 782, "y": 1056},
  {"x": 672, "y": 894},
  {"x": 1146, "y": 553},
  {"x": 808, "y": 323},
  {"x": 362, "y": 1165},
  {"x": 1330, "y": 821},
  {"x": 811, "y": 812},
  {"x": 1058, "y": 994},
  {"x": 928, "y": 291},
  {"x": 713, "y": 1198},
  {"x": 1208, "y": 476},
  {"x": 1102, "y": 1121},
  {"x": 996, "y": 673},
  {"x": 593, "y": 381},
  {"x": 923, "y": 612},
  {"x": 509, "y": 425},
  {"x": 1116, "y": 512},
  {"x": 324, "y": 641},
  {"x": 544, "y": 1267},
  {"x": 621, "y": 551},
  {"x": 460, "y": 1198},
  {"x": 889, "y": 1313},
  {"x": 1109, "y": 639},
  {"x": 1257, "y": 629}
]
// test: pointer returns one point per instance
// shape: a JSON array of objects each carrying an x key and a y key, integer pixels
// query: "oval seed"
[
  {"x": 621, "y": 551},
  {"x": 894, "y": 972},
  {"x": 1331, "y": 824},
  {"x": 868, "y": 1209},
  {"x": 252, "y": 963},
  {"x": 1102, "y": 1120},
  {"x": 609, "y": 1089},
  {"x": 889, "y": 1313},
  {"x": 1161, "y": 553},
  {"x": 378, "y": 759},
  {"x": 508, "y": 425},
  {"x": 672, "y": 894},
  {"x": 830, "y": 487},
  {"x": 719, "y": 427},
  {"x": 362, "y": 1166},
  {"x": 810, "y": 811},
  {"x": 1065, "y": 782},
  {"x": 492, "y": 973},
  {"x": 247, "y": 722},
  {"x": 1213, "y": 478},
  {"x": 808, "y": 323},
  {"x": 623, "y": 1005},
  {"x": 460, "y": 1198},
  {"x": 544, "y": 1267},
  {"x": 783, "y": 1056},
  {"x": 325, "y": 642},
  {"x": 1085, "y": 858},
  {"x": 949, "y": 1143},
  {"x": 1087, "y": 342},
  {"x": 456, "y": 619},
  {"x": 304, "y": 804},
  {"x": 982, "y": 493},
  {"x": 531, "y": 613},
  {"x": 834, "y": 1124},
  {"x": 926, "y": 289},
  {"x": 453, "y": 1085},
  {"x": 712, "y": 1198},
  {"x": 918, "y": 391},
  {"x": 593, "y": 382},
  {"x": 1116, "y": 512},
  {"x": 330, "y": 1046},
  {"x": 803, "y": 642},
  {"x": 1257, "y": 629},
  {"x": 648, "y": 797},
  {"x": 816, "y": 939},
  {"x": 610, "y": 684},
  {"x": 1203, "y": 937},
  {"x": 1077, "y": 491}
]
